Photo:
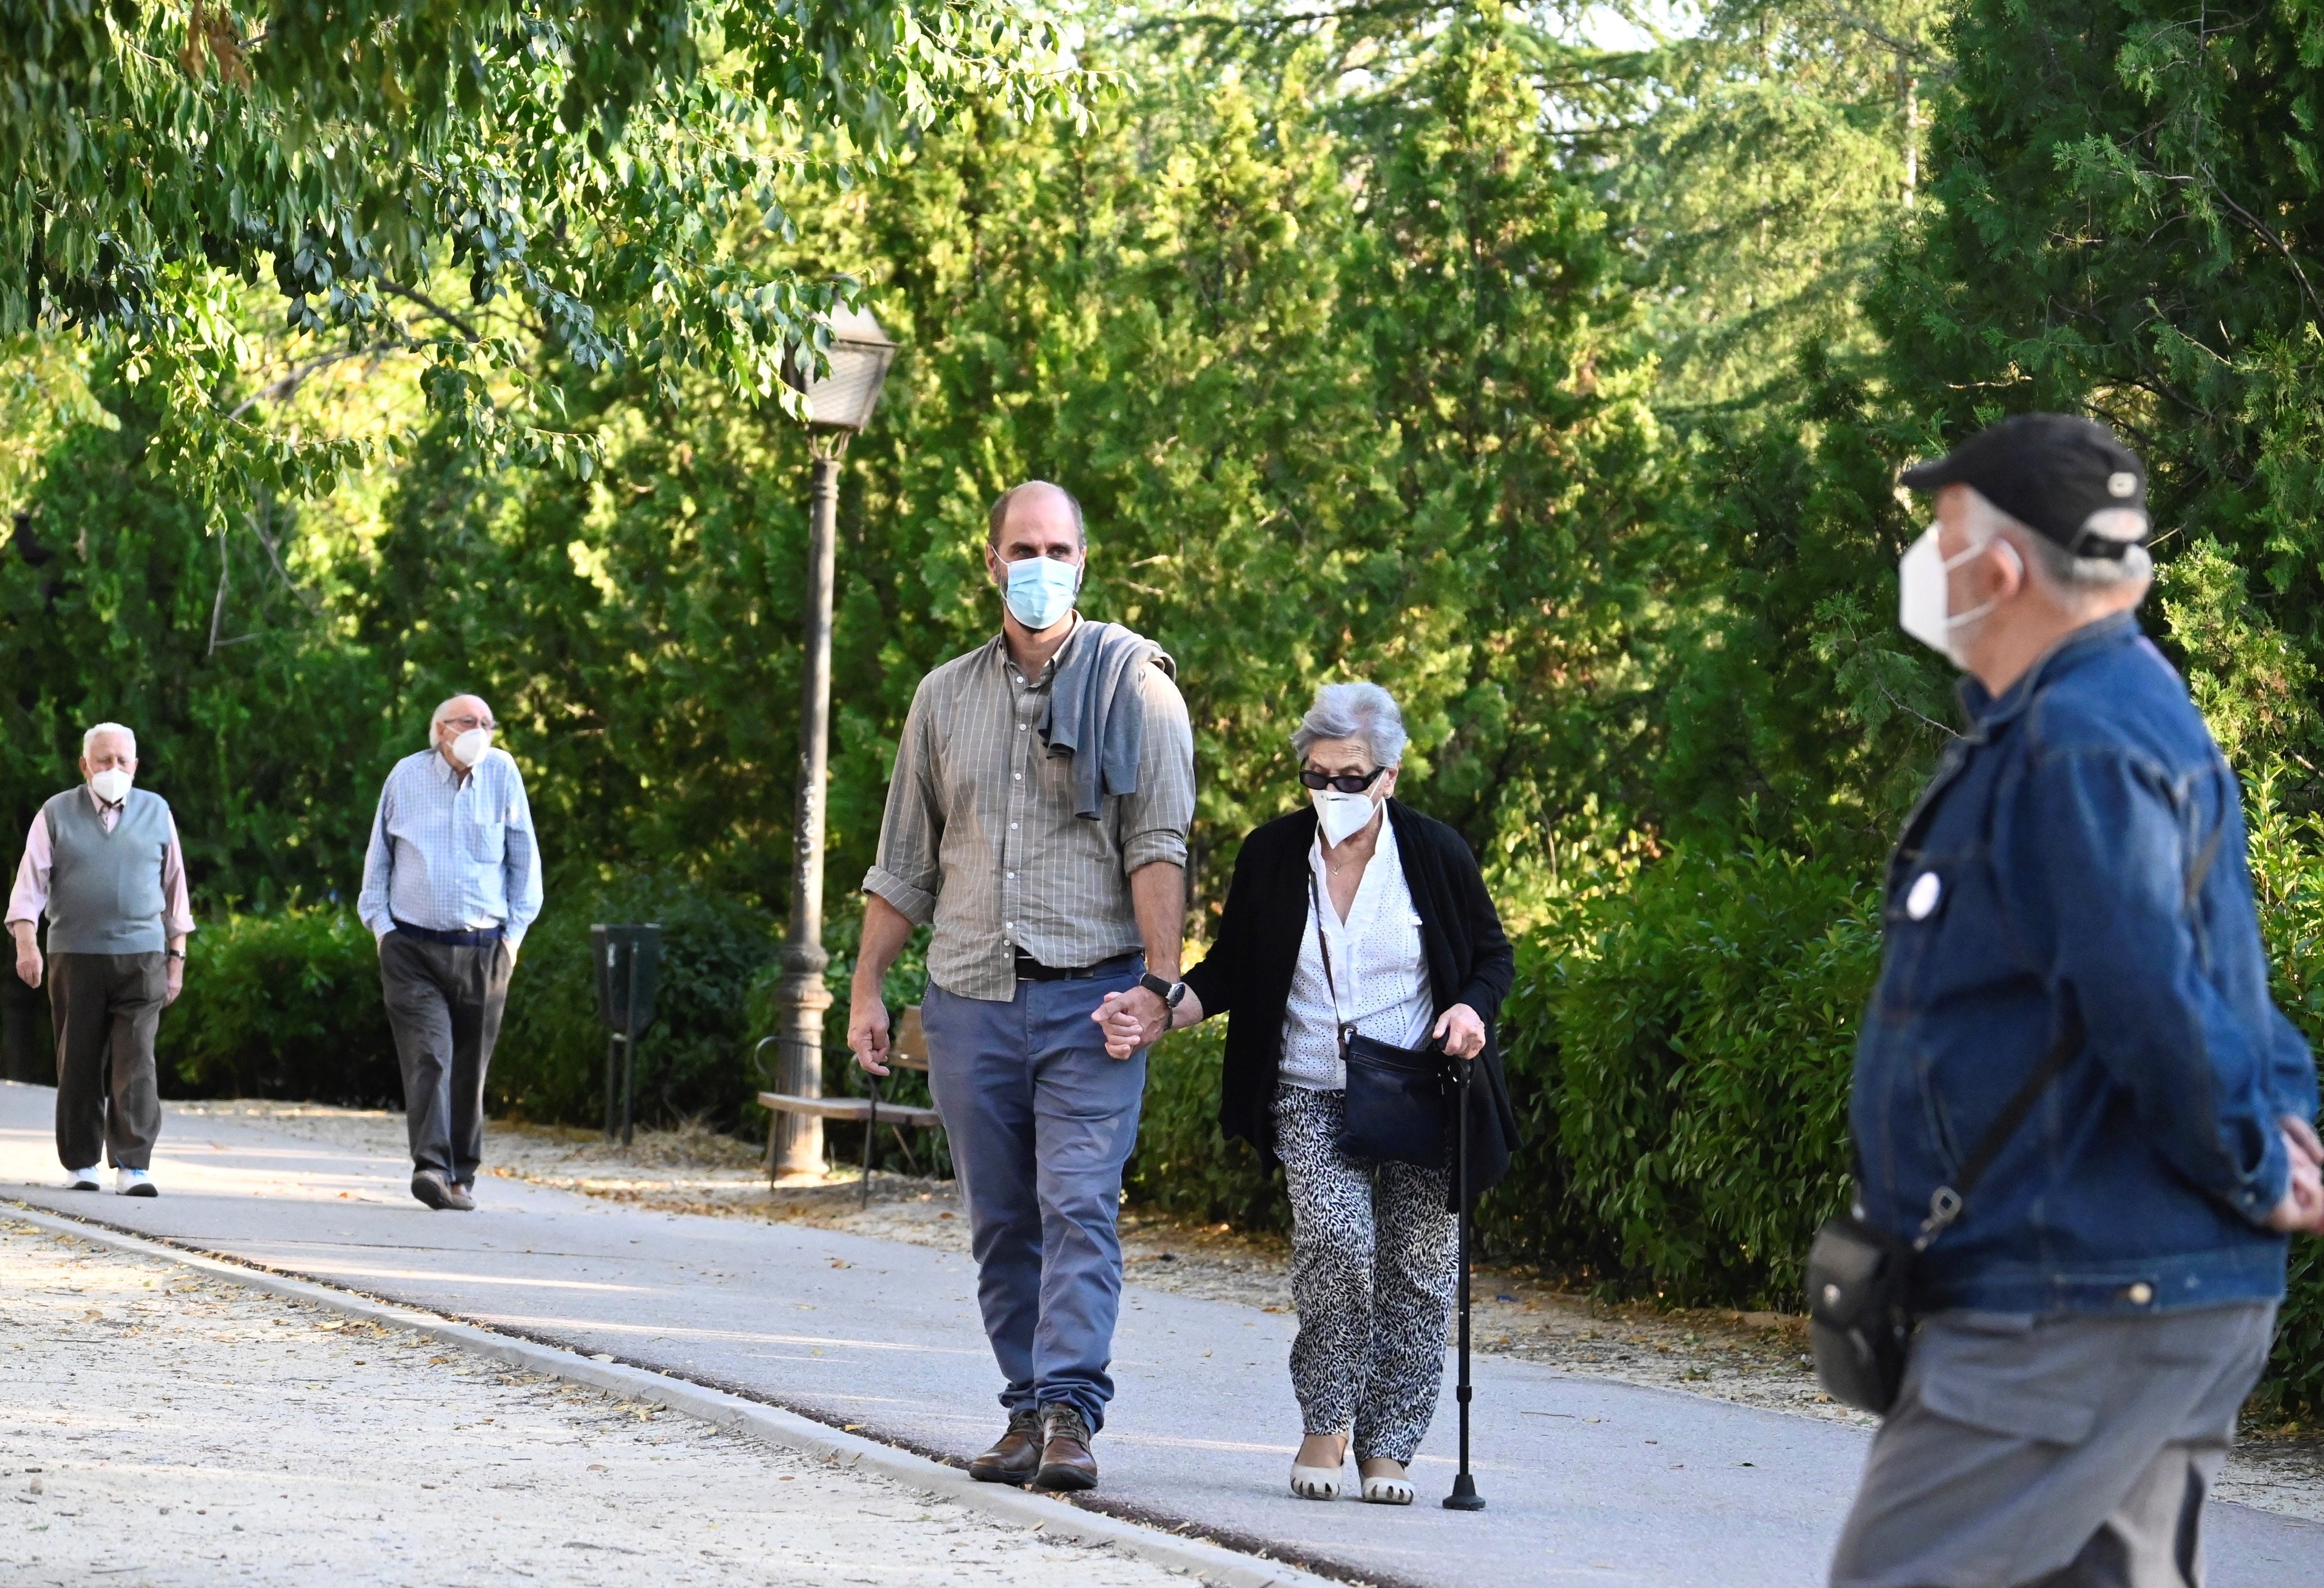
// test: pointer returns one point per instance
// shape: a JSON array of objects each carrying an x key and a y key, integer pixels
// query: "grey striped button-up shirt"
[{"x": 980, "y": 834}]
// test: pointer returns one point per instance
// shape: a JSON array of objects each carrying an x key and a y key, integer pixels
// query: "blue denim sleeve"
[
  {"x": 2295, "y": 1071},
  {"x": 2102, "y": 856}
]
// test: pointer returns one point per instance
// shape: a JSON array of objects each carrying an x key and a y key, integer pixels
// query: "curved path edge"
[{"x": 1208, "y": 1561}]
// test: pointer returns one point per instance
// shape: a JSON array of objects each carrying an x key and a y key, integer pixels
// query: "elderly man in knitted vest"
[{"x": 103, "y": 863}]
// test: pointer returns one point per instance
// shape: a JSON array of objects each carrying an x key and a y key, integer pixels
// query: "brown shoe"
[
  {"x": 1018, "y": 1455},
  {"x": 1065, "y": 1459}
]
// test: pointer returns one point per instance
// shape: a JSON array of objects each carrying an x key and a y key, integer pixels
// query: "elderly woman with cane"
[{"x": 1358, "y": 945}]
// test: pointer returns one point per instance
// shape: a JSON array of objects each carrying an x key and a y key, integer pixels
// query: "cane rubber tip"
[{"x": 1464, "y": 1502}]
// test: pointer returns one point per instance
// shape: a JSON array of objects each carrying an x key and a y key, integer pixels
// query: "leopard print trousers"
[{"x": 1374, "y": 1272}]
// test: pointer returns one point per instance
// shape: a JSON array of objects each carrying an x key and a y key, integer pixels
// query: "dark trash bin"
[{"x": 628, "y": 958}]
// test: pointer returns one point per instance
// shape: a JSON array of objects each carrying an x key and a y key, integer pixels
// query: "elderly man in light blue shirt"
[{"x": 450, "y": 883}]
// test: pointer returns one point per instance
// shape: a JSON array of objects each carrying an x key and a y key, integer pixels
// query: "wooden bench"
[{"x": 907, "y": 1049}]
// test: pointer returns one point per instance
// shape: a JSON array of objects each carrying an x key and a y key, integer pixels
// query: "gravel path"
[
  {"x": 1753, "y": 1359},
  {"x": 158, "y": 1427}
]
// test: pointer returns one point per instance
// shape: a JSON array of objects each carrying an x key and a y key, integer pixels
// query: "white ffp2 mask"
[
  {"x": 469, "y": 748},
  {"x": 1341, "y": 815},
  {"x": 112, "y": 784},
  {"x": 1925, "y": 597}
]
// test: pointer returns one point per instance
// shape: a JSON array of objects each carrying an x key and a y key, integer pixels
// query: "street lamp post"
[{"x": 838, "y": 406}]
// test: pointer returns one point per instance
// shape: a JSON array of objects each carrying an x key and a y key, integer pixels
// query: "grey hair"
[
  {"x": 89, "y": 737},
  {"x": 443, "y": 709},
  {"x": 2072, "y": 576},
  {"x": 1365, "y": 712}
]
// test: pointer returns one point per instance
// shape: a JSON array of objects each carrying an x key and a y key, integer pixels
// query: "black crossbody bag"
[
  {"x": 1860, "y": 1315},
  {"x": 1396, "y": 1095}
]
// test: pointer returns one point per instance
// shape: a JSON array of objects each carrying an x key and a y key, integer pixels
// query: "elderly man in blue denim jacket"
[{"x": 2075, "y": 873}]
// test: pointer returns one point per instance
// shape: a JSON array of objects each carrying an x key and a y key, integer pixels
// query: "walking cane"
[{"x": 1465, "y": 1495}]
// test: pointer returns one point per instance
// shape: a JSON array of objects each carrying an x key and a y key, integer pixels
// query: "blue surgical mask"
[{"x": 1041, "y": 590}]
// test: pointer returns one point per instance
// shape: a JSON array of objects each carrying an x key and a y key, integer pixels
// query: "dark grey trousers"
[
  {"x": 106, "y": 1008},
  {"x": 2064, "y": 1453},
  {"x": 444, "y": 1005}
]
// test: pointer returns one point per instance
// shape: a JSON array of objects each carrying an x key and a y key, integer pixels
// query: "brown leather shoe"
[
  {"x": 1018, "y": 1455},
  {"x": 1065, "y": 1459}
]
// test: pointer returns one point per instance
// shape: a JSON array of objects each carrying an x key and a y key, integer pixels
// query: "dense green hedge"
[
  {"x": 287, "y": 1004},
  {"x": 284, "y": 1004},
  {"x": 1688, "y": 1044},
  {"x": 1183, "y": 1163},
  {"x": 1678, "y": 1052},
  {"x": 694, "y": 1060}
]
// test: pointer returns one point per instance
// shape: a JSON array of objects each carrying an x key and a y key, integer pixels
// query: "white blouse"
[{"x": 1378, "y": 964}]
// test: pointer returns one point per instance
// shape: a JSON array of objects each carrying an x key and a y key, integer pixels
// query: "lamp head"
[{"x": 859, "y": 354}]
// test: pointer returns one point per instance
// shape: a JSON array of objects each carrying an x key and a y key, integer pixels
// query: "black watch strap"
[{"x": 1169, "y": 992}]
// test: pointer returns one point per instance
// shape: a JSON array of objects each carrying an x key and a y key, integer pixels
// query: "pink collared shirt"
[{"x": 29, "y": 896}]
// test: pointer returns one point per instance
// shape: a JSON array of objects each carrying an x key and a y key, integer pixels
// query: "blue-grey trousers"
[
  {"x": 1041, "y": 1123},
  {"x": 2071, "y": 1452}
]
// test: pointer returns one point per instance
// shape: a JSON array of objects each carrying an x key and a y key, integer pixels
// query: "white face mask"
[
  {"x": 112, "y": 784},
  {"x": 1924, "y": 595},
  {"x": 469, "y": 748},
  {"x": 1342, "y": 815},
  {"x": 1041, "y": 590}
]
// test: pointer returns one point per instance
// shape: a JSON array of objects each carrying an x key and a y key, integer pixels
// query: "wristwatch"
[{"x": 1171, "y": 994}]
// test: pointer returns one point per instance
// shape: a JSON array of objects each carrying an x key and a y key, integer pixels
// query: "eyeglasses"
[
  {"x": 464, "y": 724},
  {"x": 1346, "y": 782}
]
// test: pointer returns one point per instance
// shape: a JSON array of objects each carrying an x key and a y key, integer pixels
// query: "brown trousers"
[{"x": 106, "y": 1008}]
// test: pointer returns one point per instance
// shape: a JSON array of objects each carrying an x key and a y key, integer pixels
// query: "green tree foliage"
[
  {"x": 252, "y": 716},
  {"x": 1772, "y": 155},
  {"x": 2129, "y": 210},
  {"x": 1560, "y": 390},
  {"x": 594, "y": 164},
  {"x": 1346, "y": 392}
]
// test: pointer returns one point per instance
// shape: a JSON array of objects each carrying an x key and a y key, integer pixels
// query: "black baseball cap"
[{"x": 2051, "y": 472}]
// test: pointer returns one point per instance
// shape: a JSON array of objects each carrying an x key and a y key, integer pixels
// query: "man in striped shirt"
[
  {"x": 1049, "y": 880},
  {"x": 451, "y": 882}
]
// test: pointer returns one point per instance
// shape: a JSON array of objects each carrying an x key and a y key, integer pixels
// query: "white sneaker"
[
  {"x": 83, "y": 1179},
  {"x": 134, "y": 1183}
]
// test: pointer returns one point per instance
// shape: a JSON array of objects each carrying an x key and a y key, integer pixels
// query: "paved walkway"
[{"x": 1587, "y": 1481}]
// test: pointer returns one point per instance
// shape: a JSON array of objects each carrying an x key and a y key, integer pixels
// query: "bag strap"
[
  {"x": 1946, "y": 1201},
  {"x": 1323, "y": 945}
]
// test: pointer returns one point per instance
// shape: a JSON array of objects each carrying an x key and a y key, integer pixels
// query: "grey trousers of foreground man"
[
  {"x": 444, "y": 1004},
  {"x": 2068, "y": 1453},
  {"x": 106, "y": 1008}
]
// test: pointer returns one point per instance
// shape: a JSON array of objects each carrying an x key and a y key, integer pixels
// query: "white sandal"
[
  {"x": 1320, "y": 1483},
  {"x": 1315, "y": 1482},
  {"x": 1387, "y": 1491}
]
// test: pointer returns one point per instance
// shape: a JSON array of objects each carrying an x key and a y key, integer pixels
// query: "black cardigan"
[{"x": 1250, "y": 966}]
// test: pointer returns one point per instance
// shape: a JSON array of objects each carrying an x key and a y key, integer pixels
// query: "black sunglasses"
[{"x": 1346, "y": 782}]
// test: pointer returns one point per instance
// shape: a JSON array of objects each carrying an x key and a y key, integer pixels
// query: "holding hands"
[{"x": 1139, "y": 1019}]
